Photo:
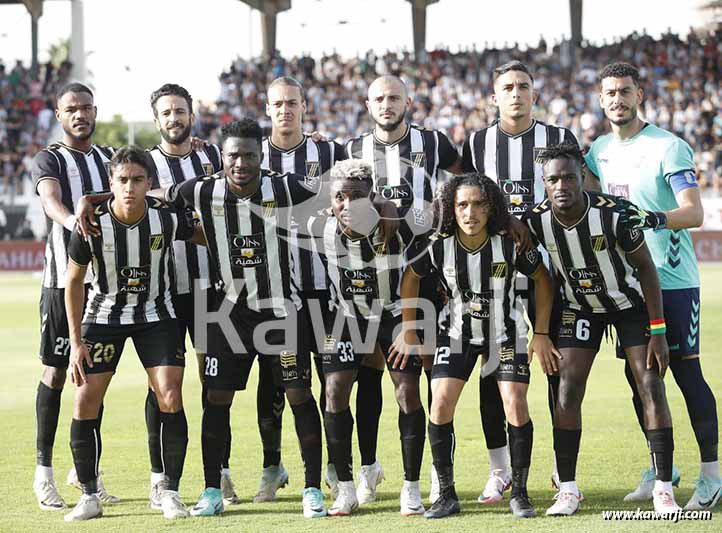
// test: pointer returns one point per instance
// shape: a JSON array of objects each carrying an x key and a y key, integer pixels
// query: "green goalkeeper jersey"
[{"x": 639, "y": 169}]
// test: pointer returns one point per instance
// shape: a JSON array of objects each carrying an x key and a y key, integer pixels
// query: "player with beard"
[
  {"x": 655, "y": 169},
  {"x": 405, "y": 161},
  {"x": 504, "y": 151},
  {"x": 288, "y": 149},
  {"x": 175, "y": 160},
  {"x": 62, "y": 172}
]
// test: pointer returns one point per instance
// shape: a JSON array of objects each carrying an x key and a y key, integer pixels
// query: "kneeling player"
[
  {"x": 130, "y": 298},
  {"x": 364, "y": 270},
  {"x": 478, "y": 267},
  {"x": 608, "y": 278}
]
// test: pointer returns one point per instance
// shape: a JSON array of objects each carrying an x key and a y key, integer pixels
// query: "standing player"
[
  {"x": 175, "y": 161},
  {"x": 478, "y": 266},
  {"x": 655, "y": 169},
  {"x": 364, "y": 271},
  {"x": 130, "y": 297},
  {"x": 608, "y": 279},
  {"x": 245, "y": 213},
  {"x": 405, "y": 162},
  {"x": 62, "y": 173},
  {"x": 288, "y": 149},
  {"x": 504, "y": 151}
]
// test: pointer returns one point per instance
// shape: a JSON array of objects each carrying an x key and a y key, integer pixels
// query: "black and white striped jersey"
[
  {"x": 190, "y": 261},
  {"x": 78, "y": 173},
  {"x": 312, "y": 160},
  {"x": 480, "y": 286},
  {"x": 406, "y": 171},
  {"x": 364, "y": 272},
  {"x": 248, "y": 237},
  {"x": 509, "y": 160},
  {"x": 589, "y": 257},
  {"x": 130, "y": 264}
]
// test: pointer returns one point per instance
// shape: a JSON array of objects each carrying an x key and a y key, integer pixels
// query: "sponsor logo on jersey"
[
  {"x": 478, "y": 303},
  {"x": 519, "y": 194},
  {"x": 357, "y": 282},
  {"x": 396, "y": 192},
  {"x": 247, "y": 250},
  {"x": 133, "y": 279},
  {"x": 586, "y": 281},
  {"x": 569, "y": 318}
]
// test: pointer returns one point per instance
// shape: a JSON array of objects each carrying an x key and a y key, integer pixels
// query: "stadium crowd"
[
  {"x": 26, "y": 118},
  {"x": 682, "y": 80}
]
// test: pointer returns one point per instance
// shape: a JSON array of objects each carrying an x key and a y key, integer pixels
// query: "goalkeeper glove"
[{"x": 634, "y": 217}]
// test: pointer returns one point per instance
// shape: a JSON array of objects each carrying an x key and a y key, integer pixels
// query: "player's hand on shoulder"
[
  {"x": 632, "y": 216},
  {"x": 316, "y": 136},
  {"x": 519, "y": 231},
  {"x": 85, "y": 216},
  {"x": 198, "y": 144}
]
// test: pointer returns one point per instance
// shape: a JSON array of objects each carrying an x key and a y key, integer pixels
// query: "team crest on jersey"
[
  {"x": 313, "y": 169},
  {"x": 568, "y": 318},
  {"x": 498, "y": 270},
  {"x": 418, "y": 159},
  {"x": 599, "y": 242},
  {"x": 156, "y": 242},
  {"x": 207, "y": 169},
  {"x": 268, "y": 208}
]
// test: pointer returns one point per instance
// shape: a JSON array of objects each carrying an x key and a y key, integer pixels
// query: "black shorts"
[
  {"x": 581, "y": 329},
  {"x": 185, "y": 311},
  {"x": 557, "y": 305},
  {"x": 315, "y": 313},
  {"x": 358, "y": 340},
  {"x": 682, "y": 318},
  {"x": 54, "y": 335},
  {"x": 157, "y": 344},
  {"x": 262, "y": 334},
  {"x": 456, "y": 359}
]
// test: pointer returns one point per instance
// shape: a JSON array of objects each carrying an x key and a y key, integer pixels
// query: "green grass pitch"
[{"x": 613, "y": 452}]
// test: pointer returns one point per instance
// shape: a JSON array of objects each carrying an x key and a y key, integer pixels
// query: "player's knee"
[
  {"x": 170, "y": 399},
  {"x": 570, "y": 396},
  {"x": 442, "y": 406},
  {"x": 53, "y": 377},
  {"x": 516, "y": 408},
  {"x": 219, "y": 397},
  {"x": 338, "y": 390},
  {"x": 298, "y": 396},
  {"x": 652, "y": 391},
  {"x": 407, "y": 394}
]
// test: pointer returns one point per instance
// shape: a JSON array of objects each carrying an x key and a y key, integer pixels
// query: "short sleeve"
[
  {"x": 629, "y": 239},
  {"x": 418, "y": 256},
  {"x": 678, "y": 157},
  {"x": 45, "y": 165},
  {"x": 79, "y": 249},
  {"x": 570, "y": 138},
  {"x": 302, "y": 189},
  {"x": 339, "y": 152},
  {"x": 467, "y": 160},
  {"x": 184, "y": 228},
  {"x": 448, "y": 155},
  {"x": 181, "y": 195},
  {"x": 528, "y": 262}
]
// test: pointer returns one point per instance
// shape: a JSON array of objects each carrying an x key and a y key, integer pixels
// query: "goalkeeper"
[{"x": 655, "y": 169}]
